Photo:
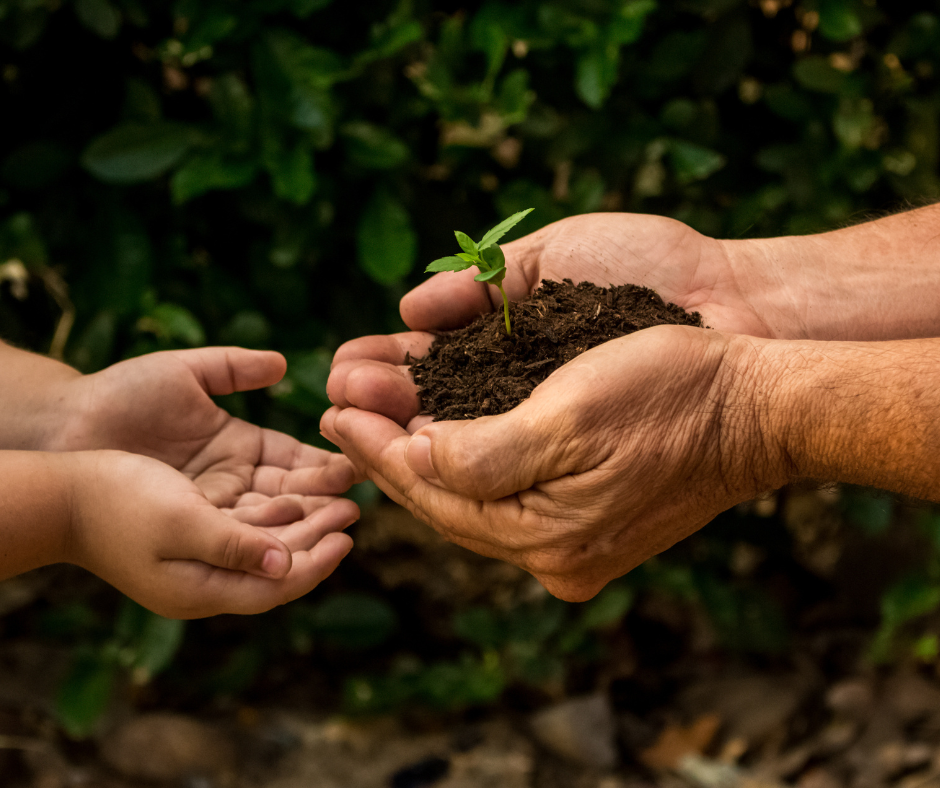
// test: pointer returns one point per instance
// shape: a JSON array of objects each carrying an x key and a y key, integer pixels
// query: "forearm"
[
  {"x": 33, "y": 406},
  {"x": 35, "y": 509},
  {"x": 873, "y": 281},
  {"x": 864, "y": 413}
]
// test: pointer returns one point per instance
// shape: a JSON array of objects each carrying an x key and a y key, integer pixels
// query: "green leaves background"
[{"x": 270, "y": 172}]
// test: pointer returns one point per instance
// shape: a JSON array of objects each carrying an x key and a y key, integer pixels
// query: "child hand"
[
  {"x": 160, "y": 405},
  {"x": 152, "y": 533}
]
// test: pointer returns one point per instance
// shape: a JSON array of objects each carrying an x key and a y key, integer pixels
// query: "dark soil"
[{"x": 480, "y": 371}]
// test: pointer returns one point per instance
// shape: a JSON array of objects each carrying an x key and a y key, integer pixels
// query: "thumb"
[
  {"x": 495, "y": 456},
  {"x": 224, "y": 370},
  {"x": 221, "y": 541}
]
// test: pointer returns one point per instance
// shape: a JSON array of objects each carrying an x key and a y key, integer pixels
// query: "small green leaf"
[
  {"x": 496, "y": 274},
  {"x": 470, "y": 258},
  {"x": 466, "y": 242},
  {"x": 448, "y": 264},
  {"x": 503, "y": 227},
  {"x": 494, "y": 257}
]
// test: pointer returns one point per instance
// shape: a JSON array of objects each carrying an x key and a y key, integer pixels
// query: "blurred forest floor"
[{"x": 666, "y": 707}]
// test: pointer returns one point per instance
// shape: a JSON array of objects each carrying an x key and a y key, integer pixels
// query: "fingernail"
[
  {"x": 274, "y": 563},
  {"x": 418, "y": 456}
]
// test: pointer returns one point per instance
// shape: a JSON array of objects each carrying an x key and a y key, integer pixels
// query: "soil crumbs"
[{"x": 479, "y": 370}]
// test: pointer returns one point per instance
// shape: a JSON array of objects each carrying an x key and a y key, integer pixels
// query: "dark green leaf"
[
  {"x": 816, "y": 73},
  {"x": 85, "y": 693},
  {"x": 839, "y": 20},
  {"x": 174, "y": 322},
  {"x": 503, "y": 227},
  {"x": 99, "y": 16},
  {"x": 156, "y": 646},
  {"x": 292, "y": 174},
  {"x": 386, "y": 241},
  {"x": 692, "y": 162},
  {"x": 353, "y": 621},
  {"x": 202, "y": 173},
  {"x": 137, "y": 152},
  {"x": 608, "y": 607},
  {"x": 373, "y": 146}
]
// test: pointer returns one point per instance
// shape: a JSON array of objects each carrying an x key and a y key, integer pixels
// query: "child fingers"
[
  {"x": 305, "y": 534},
  {"x": 223, "y": 542},
  {"x": 224, "y": 591}
]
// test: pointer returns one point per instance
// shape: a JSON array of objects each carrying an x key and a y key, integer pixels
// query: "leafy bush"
[{"x": 268, "y": 173}]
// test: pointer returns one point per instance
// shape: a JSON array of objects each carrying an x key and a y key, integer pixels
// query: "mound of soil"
[{"x": 480, "y": 371}]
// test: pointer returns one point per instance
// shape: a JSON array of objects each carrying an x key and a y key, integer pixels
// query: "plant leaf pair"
[{"x": 486, "y": 255}]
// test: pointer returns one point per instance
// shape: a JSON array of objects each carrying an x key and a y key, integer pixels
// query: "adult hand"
[
  {"x": 153, "y": 534},
  {"x": 696, "y": 272},
  {"x": 160, "y": 405},
  {"x": 619, "y": 454}
]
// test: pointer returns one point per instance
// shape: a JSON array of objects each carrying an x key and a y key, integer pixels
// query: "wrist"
[{"x": 755, "y": 424}]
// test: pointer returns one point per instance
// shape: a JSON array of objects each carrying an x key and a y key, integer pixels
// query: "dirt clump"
[{"x": 479, "y": 370}]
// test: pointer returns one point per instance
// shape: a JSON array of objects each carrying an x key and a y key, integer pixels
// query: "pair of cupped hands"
[{"x": 619, "y": 454}]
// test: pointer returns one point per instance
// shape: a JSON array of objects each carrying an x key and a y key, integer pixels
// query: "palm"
[
  {"x": 682, "y": 265},
  {"x": 160, "y": 406}
]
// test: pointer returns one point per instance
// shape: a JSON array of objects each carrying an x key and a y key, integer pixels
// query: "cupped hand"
[
  {"x": 619, "y": 454},
  {"x": 152, "y": 533},
  {"x": 696, "y": 272},
  {"x": 160, "y": 405}
]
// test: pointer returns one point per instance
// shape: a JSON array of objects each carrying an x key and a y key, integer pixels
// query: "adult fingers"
[
  {"x": 495, "y": 456},
  {"x": 376, "y": 386},
  {"x": 500, "y": 529},
  {"x": 224, "y": 370},
  {"x": 390, "y": 348}
]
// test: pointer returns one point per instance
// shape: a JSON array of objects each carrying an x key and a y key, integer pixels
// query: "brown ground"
[
  {"x": 480, "y": 371},
  {"x": 669, "y": 708}
]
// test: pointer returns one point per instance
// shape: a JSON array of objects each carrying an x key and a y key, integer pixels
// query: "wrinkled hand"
[
  {"x": 160, "y": 405},
  {"x": 151, "y": 532},
  {"x": 619, "y": 454},
  {"x": 682, "y": 265}
]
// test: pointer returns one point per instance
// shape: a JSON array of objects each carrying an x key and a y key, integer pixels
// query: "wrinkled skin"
[{"x": 616, "y": 456}]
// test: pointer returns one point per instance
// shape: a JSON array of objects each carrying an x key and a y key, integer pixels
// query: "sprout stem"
[{"x": 505, "y": 309}]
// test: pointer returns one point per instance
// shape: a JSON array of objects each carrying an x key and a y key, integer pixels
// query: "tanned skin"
[{"x": 822, "y": 362}]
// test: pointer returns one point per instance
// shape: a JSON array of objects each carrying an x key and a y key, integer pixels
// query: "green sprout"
[{"x": 486, "y": 255}]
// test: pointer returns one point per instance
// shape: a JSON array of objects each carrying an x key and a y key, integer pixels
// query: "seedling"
[{"x": 486, "y": 255}]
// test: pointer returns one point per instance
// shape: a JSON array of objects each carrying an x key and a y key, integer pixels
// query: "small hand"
[
  {"x": 160, "y": 405},
  {"x": 150, "y": 532},
  {"x": 619, "y": 454},
  {"x": 682, "y": 265}
]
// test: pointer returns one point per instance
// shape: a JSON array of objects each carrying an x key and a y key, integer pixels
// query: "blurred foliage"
[{"x": 269, "y": 173}]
